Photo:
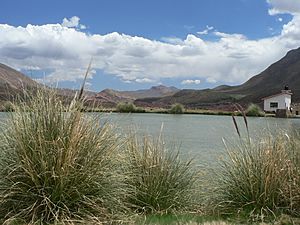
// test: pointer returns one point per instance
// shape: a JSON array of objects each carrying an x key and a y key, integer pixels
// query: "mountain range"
[
  {"x": 271, "y": 81},
  {"x": 284, "y": 72},
  {"x": 110, "y": 97}
]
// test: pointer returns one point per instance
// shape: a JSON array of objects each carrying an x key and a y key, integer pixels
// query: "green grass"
[{"x": 191, "y": 219}]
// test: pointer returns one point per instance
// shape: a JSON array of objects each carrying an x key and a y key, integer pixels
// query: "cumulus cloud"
[
  {"x": 191, "y": 82},
  {"x": 65, "y": 51},
  {"x": 73, "y": 22},
  {"x": 284, "y": 6}
]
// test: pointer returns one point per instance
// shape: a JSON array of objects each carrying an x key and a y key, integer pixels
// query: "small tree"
[{"x": 177, "y": 109}]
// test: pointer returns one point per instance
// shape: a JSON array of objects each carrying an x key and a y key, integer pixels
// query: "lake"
[{"x": 198, "y": 136}]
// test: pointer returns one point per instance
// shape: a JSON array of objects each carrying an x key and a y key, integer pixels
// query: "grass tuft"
[
  {"x": 162, "y": 182},
  {"x": 260, "y": 177},
  {"x": 57, "y": 165}
]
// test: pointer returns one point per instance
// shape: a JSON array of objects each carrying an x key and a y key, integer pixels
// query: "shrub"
[
  {"x": 254, "y": 110},
  {"x": 57, "y": 165},
  {"x": 124, "y": 107},
  {"x": 162, "y": 182},
  {"x": 177, "y": 109}
]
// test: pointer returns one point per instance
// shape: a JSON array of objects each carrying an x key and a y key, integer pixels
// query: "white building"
[{"x": 278, "y": 101}]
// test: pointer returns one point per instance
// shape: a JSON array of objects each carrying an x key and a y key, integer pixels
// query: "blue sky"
[{"x": 137, "y": 44}]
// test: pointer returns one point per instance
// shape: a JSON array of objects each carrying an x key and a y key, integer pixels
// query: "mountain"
[
  {"x": 12, "y": 82},
  {"x": 110, "y": 97},
  {"x": 155, "y": 91},
  {"x": 271, "y": 81}
]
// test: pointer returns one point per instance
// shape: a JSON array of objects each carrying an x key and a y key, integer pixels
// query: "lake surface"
[{"x": 198, "y": 136}]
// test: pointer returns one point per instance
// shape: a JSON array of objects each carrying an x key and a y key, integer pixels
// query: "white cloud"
[
  {"x": 280, "y": 19},
  {"x": 284, "y": 6},
  {"x": 211, "y": 80},
  {"x": 172, "y": 40},
  {"x": 66, "y": 52},
  {"x": 73, "y": 22},
  {"x": 144, "y": 80},
  {"x": 82, "y": 27},
  {"x": 205, "y": 31},
  {"x": 191, "y": 82}
]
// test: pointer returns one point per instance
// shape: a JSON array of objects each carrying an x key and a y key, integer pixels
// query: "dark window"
[
  {"x": 297, "y": 112},
  {"x": 274, "y": 104}
]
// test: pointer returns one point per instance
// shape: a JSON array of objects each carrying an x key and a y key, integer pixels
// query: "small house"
[{"x": 280, "y": 101}]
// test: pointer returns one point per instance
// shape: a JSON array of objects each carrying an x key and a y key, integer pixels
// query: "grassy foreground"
[{"x": 61, "y": 166}]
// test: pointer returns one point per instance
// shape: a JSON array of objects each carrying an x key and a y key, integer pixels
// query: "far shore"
[{"x": 167, "y": 111}]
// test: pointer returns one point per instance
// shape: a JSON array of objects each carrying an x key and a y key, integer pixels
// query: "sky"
[{"x": 136, "y": 44}]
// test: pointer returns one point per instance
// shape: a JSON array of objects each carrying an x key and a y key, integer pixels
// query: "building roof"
[{"x": 282, "y": 93}]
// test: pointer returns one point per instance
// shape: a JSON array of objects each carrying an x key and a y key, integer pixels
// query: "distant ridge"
[
  {"x": 286, "y": 71},
  {"x": 112, "y": 97}
]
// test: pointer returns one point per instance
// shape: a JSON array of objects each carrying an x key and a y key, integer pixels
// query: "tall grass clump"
[
  {"x": 254, "y": 110},
  {"x": 292, "y": 189},
  {"x": 57, "y": 165},
  {"x": 177, "y": 109},
  {"x": 255, "y": 176},
  {"x": 162, "y": 183}
]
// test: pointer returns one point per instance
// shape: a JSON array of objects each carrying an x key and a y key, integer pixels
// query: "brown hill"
[
  {"x": 153, "y": 92},
  {"x": 284, "y": 72},
  {"x": 110, "y": 97},
  {"x": 13, "y": 82}
]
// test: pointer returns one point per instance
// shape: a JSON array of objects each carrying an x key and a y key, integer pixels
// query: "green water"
[{"x": 198, "y": 136}]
